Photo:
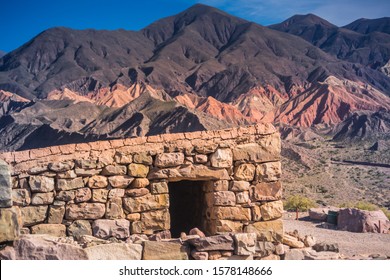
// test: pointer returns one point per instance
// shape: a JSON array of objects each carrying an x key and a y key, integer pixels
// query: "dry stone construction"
[{"x": 219, "y": 182}]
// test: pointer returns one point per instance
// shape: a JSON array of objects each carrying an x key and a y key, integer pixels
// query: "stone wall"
[{"x": 120, "y": 187}]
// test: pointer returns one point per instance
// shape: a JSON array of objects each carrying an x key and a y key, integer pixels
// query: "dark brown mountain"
[
  {"x": 2, "y": 53},
  {"x": 362, "y": 41},
  {"x": 200, "y": 69},
  {"x": 366, "y": 26}
]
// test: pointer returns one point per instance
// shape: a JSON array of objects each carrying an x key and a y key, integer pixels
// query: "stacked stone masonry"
[{"x": 120, "y": 188}]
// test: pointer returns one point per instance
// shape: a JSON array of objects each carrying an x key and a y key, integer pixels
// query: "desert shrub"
[
  {"x": 362, "y": 205},
  {"x": 386, "y": 211},
  {"x": 298, "y": 202}
]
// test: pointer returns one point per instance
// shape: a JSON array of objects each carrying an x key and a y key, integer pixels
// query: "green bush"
[{"x": 298, "y": 203}]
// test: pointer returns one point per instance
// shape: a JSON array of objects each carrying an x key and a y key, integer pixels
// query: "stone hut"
[{"x": 218, "y": 181}]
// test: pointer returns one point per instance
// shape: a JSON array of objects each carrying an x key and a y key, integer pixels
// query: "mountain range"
[{"x": 200, "y": 69}]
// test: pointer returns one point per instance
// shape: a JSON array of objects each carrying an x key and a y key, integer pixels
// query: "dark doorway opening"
[{"x": 186, "y": 206}]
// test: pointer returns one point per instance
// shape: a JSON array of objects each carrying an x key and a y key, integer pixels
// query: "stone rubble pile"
[{"x": 160, "y": 246}]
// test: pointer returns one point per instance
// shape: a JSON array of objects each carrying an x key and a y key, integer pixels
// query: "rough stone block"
[
  {"x": 267, "y": 191},
  {"x": 143, "y": 158},
  {"x": 244, "y": 172},
  {"x": 136, "y": 192},
  {"x": 89, "y": 211},
  {"x": 82, "y": 195},
  {"x": 114, "y": 208},
  {"x": 50, "y": 229},
  {"x": 97, "y": 182},
  {"x": 32, "y": 215},
  {"x": 266, "y": 149},
  {"x": 105, "y": 229},
  {"x": 223, "y": 198},
  {"x": 245, "y": 244},
  {"x": 154, "y": 250},
  {"x": 268, "y": 172},
  {"x": 222, "y": 158},
  {"x": 139, "y": 183},
  {"x": 21, "y": 197},
  {"x": 45, "y": 247},
  {"x": 138, "y": 170},
  {"x": 66, "y": 184},
  {"x": 169, "y": 160},
  {"x": 56, "y": 214},
  {"x": 99, "y": 195},
  {"x": 5, "y": 185},
  {"x": 121, "y": 182},
  {"x": 61, "y": 166},
  {"x": 213, "y": 243},
  {"x": 243, "y": 198},
  {"x": 271, "y": 210},
  {"x": 159, "y": 187},
  {"x": 115, "y": 251},
  {"x": 239, "y": 186},
  {"x": 41, "y": 184},
  {"x": 146, "y": 203},
  {"x": 216, "y": 186},
  {"x": 155, "y": 220},
  {"x": 79, "y": 228},
  {"x": 231, "y": 213},
  {"x": 10, "y": 223},
  {"x": 110, "y": 170},
  {"x": 267, "y": 231},
  {"x": 42, "y": 198},
  {"x": 189, "y": 172}
]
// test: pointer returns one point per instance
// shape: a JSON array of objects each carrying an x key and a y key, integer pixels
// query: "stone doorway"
[{"x": 186, "y": 206}]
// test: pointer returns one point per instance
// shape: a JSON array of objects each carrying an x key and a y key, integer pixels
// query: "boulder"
[
  {"x": 154, "y": 250},
  {"x": 169, "y": 160},
  {"x": 294, "y": 254},
  {"x": 111, "y": 228},
  {"x": 222, "y": 158},
  {"x": 46, "y": 247},
  {"x": 114, "y": 251},
  {"x": 5, "y": 185},
  {"x": 356, "y": 220},
  {"x": 324, "y": 255},
  {"x": 10, "y": 223},
  {"x": 7, "y": 253},
  {"x": 213, "y": 243},
  {"x": 318, "y": 214}
]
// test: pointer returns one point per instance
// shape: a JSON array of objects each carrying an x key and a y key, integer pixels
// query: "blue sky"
[{"x": 22, "y": 20}]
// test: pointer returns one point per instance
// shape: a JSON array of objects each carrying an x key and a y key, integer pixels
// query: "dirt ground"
[{"x": 351, "y": 245}]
